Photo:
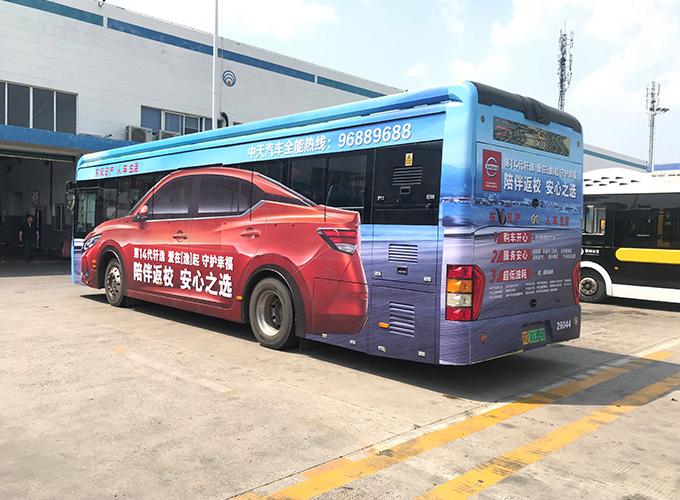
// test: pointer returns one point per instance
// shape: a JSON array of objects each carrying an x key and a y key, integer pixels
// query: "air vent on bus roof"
[{"x": 407, "y": 176}]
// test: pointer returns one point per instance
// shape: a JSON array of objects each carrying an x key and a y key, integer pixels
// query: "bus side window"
[
  {"x": 86, "y": 200},
  {"x": 594, "y": 219},
  {"x": 106, "y": 201},
  {"x": 274, "y": 169},
  {"x": 308, "y": 177},
  {"x": 346, "y": 182}
]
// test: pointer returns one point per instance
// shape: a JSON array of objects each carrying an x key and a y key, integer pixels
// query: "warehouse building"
[{"x": 77, "y": 76}]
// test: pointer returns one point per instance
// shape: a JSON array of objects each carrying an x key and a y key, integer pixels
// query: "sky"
[{"x": 619, "y": 48}]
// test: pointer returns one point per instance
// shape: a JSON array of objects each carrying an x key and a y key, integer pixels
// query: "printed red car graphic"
[{"x": 236, "y": 245}]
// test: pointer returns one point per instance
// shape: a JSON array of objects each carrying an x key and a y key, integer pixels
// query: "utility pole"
[
  {"x": 653, "y": 109},
  {"x": 214, "y": 72},
  {"x": 565, "y": 60}
]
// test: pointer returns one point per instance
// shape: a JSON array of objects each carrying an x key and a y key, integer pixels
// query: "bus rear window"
[{"x": 530, "y": 137}]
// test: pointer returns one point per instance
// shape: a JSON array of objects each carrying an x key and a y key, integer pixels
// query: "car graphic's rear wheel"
[
  {"x": 271, "y": 314},
  {"x": 591, "y": 287},
  {"x": 114, "y": 283}
]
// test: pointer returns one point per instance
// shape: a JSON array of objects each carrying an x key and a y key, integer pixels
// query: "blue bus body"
[{"x": 508, "y": 200}]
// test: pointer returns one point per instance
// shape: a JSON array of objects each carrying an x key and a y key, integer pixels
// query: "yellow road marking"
[
  {"x": 500, "y": 468},
  {"x": 322, "y": 478}
]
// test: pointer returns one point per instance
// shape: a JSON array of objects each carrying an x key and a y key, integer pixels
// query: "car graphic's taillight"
[
  {"x": 576, "y": 282},
  {"x": 344, "y": 240},
  {"x": 464, "y": 292}
]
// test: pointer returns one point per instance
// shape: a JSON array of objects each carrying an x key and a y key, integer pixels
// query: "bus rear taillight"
[
  {"x": 576, "y": 282},
  {"x": 464, "y": 292}
]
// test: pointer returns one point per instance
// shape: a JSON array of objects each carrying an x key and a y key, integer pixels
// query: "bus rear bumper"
[{"x": 496, "y": 337}]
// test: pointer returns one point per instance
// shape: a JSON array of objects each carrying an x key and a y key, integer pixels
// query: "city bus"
[
  {"x": 631, "y": 235},
  {"x": 469, "y": 200}
]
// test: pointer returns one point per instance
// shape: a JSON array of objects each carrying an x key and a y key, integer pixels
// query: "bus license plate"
[{"x": 533, "y": 335}]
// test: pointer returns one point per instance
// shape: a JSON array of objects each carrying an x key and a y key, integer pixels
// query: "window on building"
[
  {"x": 191, "y": 124},
  {"x": 173, "y": 122},
  {"x": 43, "y": 109},
  {"x": 18, "y": 105},
  {"x": 151, "y": 118},
  {"x": 32, "y": 107},
  {"x": 207, "y": 123},
  {"x": 66, "y": 113}
]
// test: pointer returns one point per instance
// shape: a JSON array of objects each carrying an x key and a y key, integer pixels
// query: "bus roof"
[
  {"x": 465, "y": 92},
  {"x": 628, "y": 181}
]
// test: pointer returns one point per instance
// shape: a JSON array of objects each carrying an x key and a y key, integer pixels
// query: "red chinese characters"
[{"x": 509, "y": 237}]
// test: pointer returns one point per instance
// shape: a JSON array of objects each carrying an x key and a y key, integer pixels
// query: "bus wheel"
[
  {"x": 591, "y": 287},
  {"x": 114, "y": 283},
  {"x": 270, "y": 310}
]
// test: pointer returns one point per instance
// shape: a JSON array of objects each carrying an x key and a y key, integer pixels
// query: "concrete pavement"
[{"x": 155, "y": 403}]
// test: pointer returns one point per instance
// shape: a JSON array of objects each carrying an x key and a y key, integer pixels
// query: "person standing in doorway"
[{"x": 28, "y": 235}]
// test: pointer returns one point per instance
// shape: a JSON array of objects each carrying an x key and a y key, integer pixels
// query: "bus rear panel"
[{"x": 510, "y": 258}]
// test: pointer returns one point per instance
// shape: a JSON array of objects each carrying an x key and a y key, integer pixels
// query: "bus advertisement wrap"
[{"x": 424, "y": 226}]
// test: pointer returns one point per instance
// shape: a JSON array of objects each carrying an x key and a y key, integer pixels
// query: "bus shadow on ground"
[{"x": 500, "y": 379}]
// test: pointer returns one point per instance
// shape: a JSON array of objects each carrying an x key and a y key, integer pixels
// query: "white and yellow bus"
[{"x": 631, "y": 235}]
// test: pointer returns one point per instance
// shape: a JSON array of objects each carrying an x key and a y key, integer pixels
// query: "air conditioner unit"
[
  {"x": 138, "y": 134},
  {"x": 166, "y": 134}
]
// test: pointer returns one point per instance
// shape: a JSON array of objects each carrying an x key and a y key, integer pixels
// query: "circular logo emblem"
[
  {"x": 229, "y": 78},
  {"x": 491, "y": 166}
]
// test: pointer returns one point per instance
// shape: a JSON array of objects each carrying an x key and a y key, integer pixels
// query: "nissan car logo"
[{"x": 491, "y": 166}]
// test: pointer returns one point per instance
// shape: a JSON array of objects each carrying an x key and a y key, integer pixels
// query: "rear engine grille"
[
  {"x": 397, "y": 252},
  {"x": 402, "y": 319},
  {"x": 407, "y": 176}
]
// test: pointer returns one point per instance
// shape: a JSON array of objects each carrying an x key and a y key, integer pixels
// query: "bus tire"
[
  {"x": 271, "y": 314},
  {"x": 592, "y": 287},
  {"x": 114, "y": 283}
]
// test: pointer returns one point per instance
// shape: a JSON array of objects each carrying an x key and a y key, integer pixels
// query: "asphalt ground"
[{"x": 150, "y": 402}]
